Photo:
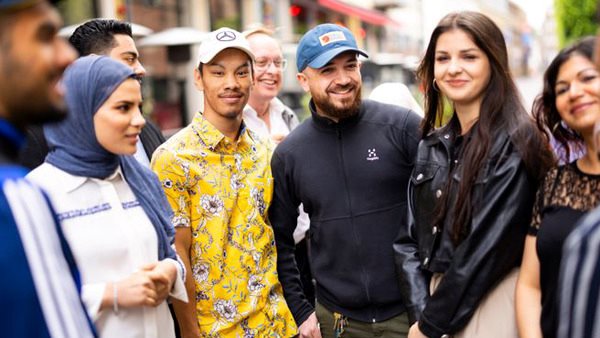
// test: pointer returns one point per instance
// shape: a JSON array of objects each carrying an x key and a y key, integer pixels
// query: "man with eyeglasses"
[
  {"x": 112, "y": 38},
  {"x": 265, "y": 114}
]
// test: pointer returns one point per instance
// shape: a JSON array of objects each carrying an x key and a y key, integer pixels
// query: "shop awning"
[
  {"x": 373, "y": 17},
  {"x": 174, "y": 37}
]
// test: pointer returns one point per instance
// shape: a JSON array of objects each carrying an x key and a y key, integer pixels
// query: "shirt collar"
[
  {"x": 324, "y": 121},
  {"x": 116, "y": 176},
  {"x": 275, "y": 106},
  {"x": 212, "y": 137},
  {"x": 449, "y": 135},
  {"x": 249, "y": 111},
  {"x": 71, "y": 182}
]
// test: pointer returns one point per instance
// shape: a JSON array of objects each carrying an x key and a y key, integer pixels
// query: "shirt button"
[
  {"x": 445, "y": 336},
  {"x": 434, "y": 230},
  {"x": 438, "y": 193},
  {"x": 447, "y": 136},
  {"x": 455, "y": 161},
  {"x": 419, "y": 177},
  {"x": 426, "y": 261}
]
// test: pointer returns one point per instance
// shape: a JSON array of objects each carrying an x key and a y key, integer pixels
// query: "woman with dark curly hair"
[
  {"x": 568, "y": 108},
  {"x": 472, "y": 188}
]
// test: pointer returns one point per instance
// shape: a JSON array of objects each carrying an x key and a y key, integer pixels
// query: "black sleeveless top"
[{"x": 566, "y": 194}]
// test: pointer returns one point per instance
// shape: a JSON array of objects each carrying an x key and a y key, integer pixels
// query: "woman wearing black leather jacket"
[{"x": 472, "y": 188}]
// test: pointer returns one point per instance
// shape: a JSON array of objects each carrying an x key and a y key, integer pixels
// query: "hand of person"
[
  {"x": 310, "y": 328},
  {"x": 415, "y": 332},
  {"x": 163, "y": 276},
  {"x": 136, "y": 290}
]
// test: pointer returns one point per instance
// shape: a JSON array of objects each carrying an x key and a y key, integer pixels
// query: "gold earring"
[{"x": 435, "y": 87}]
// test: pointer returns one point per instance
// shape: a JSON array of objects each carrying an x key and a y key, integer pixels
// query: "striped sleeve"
[
  {"x": 55, "y": 286},
  {"x": 579, "y": 303}
]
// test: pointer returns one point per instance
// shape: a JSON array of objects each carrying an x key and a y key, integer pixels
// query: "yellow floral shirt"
[{"x": 222, "y": 189}]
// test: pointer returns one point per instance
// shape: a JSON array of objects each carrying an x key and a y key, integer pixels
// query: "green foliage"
[
  {"x": 76, "y": 11},
  {"x": 233, "y": 21},
  {"x": 575, "y": 19}
]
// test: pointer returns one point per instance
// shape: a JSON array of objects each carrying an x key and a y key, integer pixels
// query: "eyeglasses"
[{"x": 265, "y": 63}]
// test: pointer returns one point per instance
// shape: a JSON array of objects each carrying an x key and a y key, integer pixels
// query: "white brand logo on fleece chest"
[{"x": 372, "y": 155}]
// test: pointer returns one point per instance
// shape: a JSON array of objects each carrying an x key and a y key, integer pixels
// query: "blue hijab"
[{"x": 74, "y": 148}]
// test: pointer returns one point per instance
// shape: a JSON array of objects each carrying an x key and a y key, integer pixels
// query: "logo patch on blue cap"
[{"x": 331, "y": 37}]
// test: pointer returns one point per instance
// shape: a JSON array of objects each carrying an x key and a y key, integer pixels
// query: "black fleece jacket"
[{"x": 352, "y": 178}]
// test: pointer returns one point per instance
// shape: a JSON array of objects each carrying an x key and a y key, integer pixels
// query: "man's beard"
[
  {"x": 29, "y": 102},
  {"x": 24, "y": 113},
  {"x": 334, "y": 111}
]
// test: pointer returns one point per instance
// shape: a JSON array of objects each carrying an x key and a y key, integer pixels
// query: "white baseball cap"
[{"x": 219, "y": 40}]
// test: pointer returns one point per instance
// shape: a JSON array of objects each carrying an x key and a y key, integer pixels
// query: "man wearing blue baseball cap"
[
  {"x": 40, "y": 295},
  {"x": 349, "y": 166}
]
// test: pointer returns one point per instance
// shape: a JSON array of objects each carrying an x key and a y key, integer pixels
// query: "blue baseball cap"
[{"x": 322, "y": 43}]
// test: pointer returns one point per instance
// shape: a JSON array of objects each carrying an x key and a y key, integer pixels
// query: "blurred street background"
[{"x": 394, "y": 33}]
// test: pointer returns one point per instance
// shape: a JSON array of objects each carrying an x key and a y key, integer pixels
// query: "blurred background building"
[{"x": 393, "y": 32}]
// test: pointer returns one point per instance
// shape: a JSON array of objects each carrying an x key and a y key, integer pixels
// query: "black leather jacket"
[{"x": 502, "y": 204}]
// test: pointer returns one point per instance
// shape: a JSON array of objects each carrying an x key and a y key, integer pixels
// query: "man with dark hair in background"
[
  {"x": 40, "y": 282},
  {"x": 266, "y": 115},
  {"x": 114, "y": 39}
]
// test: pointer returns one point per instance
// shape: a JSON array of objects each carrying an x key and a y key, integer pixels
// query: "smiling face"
[
  {"x": 577, "y": 93},
  {"x": 32, "y": 61},
  {"x": 267, "y": 76},
  {"x": 119, "y": 122},
  {"x": 226, "y": 81},
  {"x": 336, "y": 87},
  {"x": 461, "y": 68}
]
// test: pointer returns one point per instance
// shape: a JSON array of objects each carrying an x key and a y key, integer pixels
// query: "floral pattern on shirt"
[{"x": 222, "y": 189}]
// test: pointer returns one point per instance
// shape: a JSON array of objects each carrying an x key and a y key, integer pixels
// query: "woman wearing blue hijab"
[{"x": 112, "y": 209}]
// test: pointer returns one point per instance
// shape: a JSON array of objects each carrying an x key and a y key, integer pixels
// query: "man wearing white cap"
[
  {"x": 217, "y": 178},
  {"x": 349, "y": 165}
]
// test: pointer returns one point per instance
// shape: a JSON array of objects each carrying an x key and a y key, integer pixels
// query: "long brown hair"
[{"x": 501, "y": 110}]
